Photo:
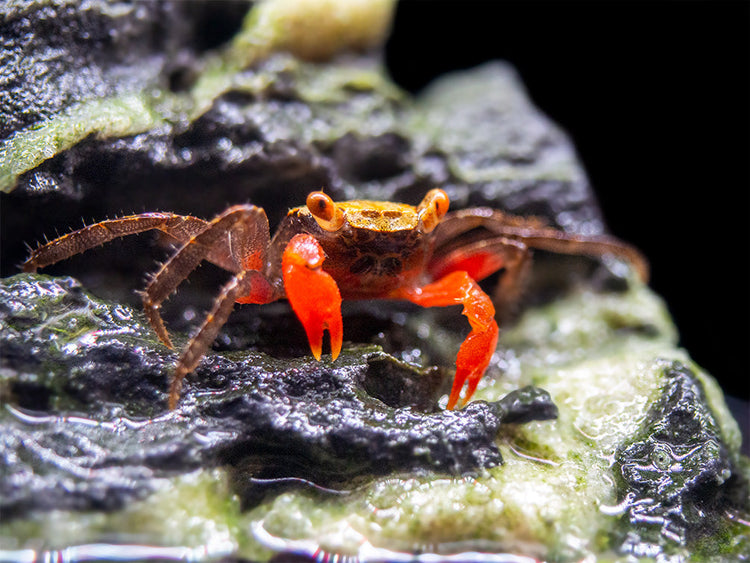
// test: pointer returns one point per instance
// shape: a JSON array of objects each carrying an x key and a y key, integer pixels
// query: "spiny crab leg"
[
  {"x": 312, "y": 293},
  {"x": 476, "y": 351},
  {"x": 225, "y": 231},
  {"x": 99, "y": 233},
  {"x": 534, "y": 233},
  {"x": 249, "y": 286},
  {"x": 236, "y": 240},
  {"x": 600, "y": 245}
]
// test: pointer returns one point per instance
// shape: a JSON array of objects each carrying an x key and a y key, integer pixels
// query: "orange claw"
[
  {"x": 476, "y": 350},
  {"x": 312, "y": 293}
]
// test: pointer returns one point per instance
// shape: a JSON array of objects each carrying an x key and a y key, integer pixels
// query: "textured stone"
[
  {"x": 89, "y": 429},
  {"x": 678, "y": 477}
]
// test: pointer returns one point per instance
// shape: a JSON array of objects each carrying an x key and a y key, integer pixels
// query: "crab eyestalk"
[
  {"x": 432, "y": 209},
  {"x": 328, "y": 215}
]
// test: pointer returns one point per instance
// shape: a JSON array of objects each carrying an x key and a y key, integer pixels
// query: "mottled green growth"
[
  {"x": 47, "y": 325},
  {"x": 196, "y": 512},
  {"x": 108, "y": 117},
  {"x": 307, "y": 29}
]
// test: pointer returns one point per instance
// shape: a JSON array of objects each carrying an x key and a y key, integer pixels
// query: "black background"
[{"x": 656, "y": 98}]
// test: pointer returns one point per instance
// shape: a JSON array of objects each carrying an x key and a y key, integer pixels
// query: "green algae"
[
  {"x": 108, "y": 117},
  {"x": 195, "y": 510}
]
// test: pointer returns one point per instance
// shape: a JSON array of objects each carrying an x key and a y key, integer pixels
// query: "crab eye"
[
  {"x": 328, "y": 215},
  {"x": 433, "y": 208}
]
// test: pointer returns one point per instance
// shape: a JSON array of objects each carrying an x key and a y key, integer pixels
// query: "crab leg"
[
  {"x": 99, "y": 233},
  {"x": 535, "y": 234},
  {"x": 240, "y": 233},
  {"x": 476, "y": 351},
  {"x": 248, "y": 284},
  {"x": 312, "y": 293},
  {"x": 485, "y": 257}
]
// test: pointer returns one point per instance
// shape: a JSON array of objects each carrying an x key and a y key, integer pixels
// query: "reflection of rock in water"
[{"x": 678, "y": 477}]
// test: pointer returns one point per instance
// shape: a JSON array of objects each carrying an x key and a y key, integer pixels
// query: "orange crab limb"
[
  {"x": 476, "y": 350},
  {"x": 312, "y": 293},
  {"x": 478, "y": 265}
]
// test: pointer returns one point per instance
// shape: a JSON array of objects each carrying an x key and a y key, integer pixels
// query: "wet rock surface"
[
  {"x": 55, "y": 54},
  {"x": 678, "y": 478},
  {"x": 86, "y": 425}
]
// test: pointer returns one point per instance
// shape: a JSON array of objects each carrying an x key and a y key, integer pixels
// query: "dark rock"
[
  {"x": 678, "y": 478},
  {"x": 56, "y": 54},
  {"x": 86, "y": 425}
]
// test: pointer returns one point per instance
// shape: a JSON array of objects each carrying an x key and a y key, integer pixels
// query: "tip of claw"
[
  {"x": 454, "y": 399},
  {"x": 317, "y": 351},
  {"x": 315, "y": 340},
  {"x": 335, "y": 352},
  {"x": 336, "y": 332},
  {"x": 316, "y": 347}
]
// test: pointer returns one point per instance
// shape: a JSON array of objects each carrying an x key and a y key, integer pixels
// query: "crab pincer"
[
  {"x": 312, "y": 293},
  {"x": 476, "y": 351}
]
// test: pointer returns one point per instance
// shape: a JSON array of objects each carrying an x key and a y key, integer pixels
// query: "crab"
[{"x": 326, "y": 251}]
